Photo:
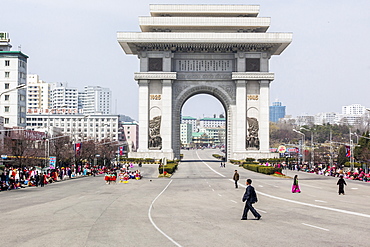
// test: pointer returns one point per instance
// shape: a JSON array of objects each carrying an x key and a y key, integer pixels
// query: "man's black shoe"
[
  {"x": 258, "y": 217},
  {"x": 243, "y": 218}
]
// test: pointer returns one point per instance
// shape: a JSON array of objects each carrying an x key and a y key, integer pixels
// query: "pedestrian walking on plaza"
[
  {"x": 37, "y": 179},
  {"x": 341, "y": 184},
  {"x": 295, "y": 186},
  {"x": 42, "y": 179},
  {"x": 236, "y": 178},
  {"x": 249, "y": 198}
]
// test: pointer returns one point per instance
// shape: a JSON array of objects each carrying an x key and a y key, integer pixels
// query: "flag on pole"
[
  {"x": 121, "y": 150},
  {"x": 348, "y": 151},
  {"x": 78, "y": 147}
]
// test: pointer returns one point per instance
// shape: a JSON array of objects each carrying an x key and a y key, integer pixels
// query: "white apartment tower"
[
  {"x": 354, "y": 109},
  {"x": 63, "y": 97},
  {"x": 97, "y": 100},
  {"x": 37, "y": 94},
  {"x": 13, "y": 73}
]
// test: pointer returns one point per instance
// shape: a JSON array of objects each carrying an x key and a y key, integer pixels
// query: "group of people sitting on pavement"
[
  {"x": 33, "y": 176},
  {"x": 123, "y": 173}
]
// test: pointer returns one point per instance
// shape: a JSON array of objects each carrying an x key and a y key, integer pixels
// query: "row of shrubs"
[
  {"x": 170, "y": 167},
  {"x": 355, "y": 164},
  {"x": 142, "y": 160},
  {"x": 261, "y": 168},
  {"x": 217, "y": 156}
]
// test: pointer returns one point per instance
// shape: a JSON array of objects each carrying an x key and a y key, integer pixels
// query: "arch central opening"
[{"x": 203, "y": 123}]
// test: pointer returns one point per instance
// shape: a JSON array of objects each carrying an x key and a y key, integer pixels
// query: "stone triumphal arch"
[{"x": 221, "y": 50}]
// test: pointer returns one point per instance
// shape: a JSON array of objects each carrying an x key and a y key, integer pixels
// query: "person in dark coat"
[
  {"x": 341, "y": 184},
  {"x": 236, "y": 178},
  {"x": 249, "y": 198},
  {"x": 42, "y": 179},
  {"x": 37, "y": 179}
]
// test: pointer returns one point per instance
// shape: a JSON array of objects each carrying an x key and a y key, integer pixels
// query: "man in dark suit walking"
[{"x": 249, "y": 198}]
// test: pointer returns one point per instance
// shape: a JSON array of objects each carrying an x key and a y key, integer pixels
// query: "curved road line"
[
  {"x": 151, "y": 220},
  {"x": 292, "y": 201},
  {"x": 209, "y": 166}
]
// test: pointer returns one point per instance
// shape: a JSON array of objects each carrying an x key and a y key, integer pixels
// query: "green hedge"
[
  {"x": 355, "y": 164},
  {"x": 138, "y": 160},
  {"x": 170, "y": 167},
  {"x": 217, "y": 156},
  {"x": 262, "y": 169}
]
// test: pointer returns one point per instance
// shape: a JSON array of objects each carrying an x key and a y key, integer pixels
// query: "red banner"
[
  {"x": 348, "y": 151},
  {"x": 78, "y": 147}
]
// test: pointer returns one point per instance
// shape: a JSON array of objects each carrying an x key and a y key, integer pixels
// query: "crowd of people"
[
  {"x": 123, "y": 173},
  {"x": 17, "y": 178}
]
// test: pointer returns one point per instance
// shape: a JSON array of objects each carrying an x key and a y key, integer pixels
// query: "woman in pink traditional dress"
[{"x": 295, "y": 186}]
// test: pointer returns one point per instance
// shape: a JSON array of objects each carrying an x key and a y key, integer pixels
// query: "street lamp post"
[
  {"x": 312, "y": 147},
  {"x": 303, "y": 140},
  {"x": 16, "y": 88},
  {"x": 21, "y": 86}
]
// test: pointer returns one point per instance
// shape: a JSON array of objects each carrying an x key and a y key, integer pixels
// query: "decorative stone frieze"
[
  {"x": 203, "y": 76},
  {"x": 253, "y": 76},
  {"x": 155, "y": 76}
]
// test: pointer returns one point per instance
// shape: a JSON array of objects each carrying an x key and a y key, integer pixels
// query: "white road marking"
[
  {"x": 209, "y": 185},
  {"x": 210, "y": 167},
  {"x": 320, "y": 201},
  {"x": 354, "y": 188},
  {"x": 151, "y": 220},
  {"x": 310, "y": 205},
  {"x": 219, "y": 195},
  {"x": 259, "y": 210},
  {"x": 272, "y": 185},
  {"x": 260, "y": 186},
  {"x": 306, "y": 185},
  {"x": 213, "y": 190},
  {"x": 233, "y": 201},
  {"x": 296, "y": 202},
  {"x": 315, "y": 206},
  {"x": 324, "y": 229}
]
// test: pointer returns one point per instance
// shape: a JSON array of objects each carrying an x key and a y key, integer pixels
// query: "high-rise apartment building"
[
  {"x": 190, "y": 120},
  {"x": 96, "y": 100},
  {"x": 212, "y": 122},
  {"x": 186, "y": 133},
  {"x": 37, "y": 94},
  {"x": 13, "y": 74},
  {"x": 277, "y": 111},
  {"x": 63, "y": 97},
  {"x": 355, "y": 109}
]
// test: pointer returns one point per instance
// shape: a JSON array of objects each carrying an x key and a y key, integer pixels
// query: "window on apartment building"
[
  {"x": 7, "y": 62},
  {"x": 6, "y": 86},
  {"x": 6, "y": 108},
  {"x": 7, "y": 74},
  {"x": 6, "y": 97},
  {"x": 6, "y": 120}
]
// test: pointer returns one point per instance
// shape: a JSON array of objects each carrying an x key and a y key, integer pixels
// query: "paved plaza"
[{"x": 198, "y": 206}]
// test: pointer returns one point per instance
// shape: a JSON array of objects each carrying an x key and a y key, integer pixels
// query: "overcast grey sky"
[{"x": 326, "y": 66}]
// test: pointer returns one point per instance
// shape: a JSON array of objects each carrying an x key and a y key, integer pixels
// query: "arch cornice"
[{"x": 253, "y": 76}]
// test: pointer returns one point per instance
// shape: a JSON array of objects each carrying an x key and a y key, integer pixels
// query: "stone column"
[
  {"x": 264, "y": 116},
  {"x": 166, "y": 123},
  {"x": 143, "y": 115},
  {"x": 240, "y": 117}
]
